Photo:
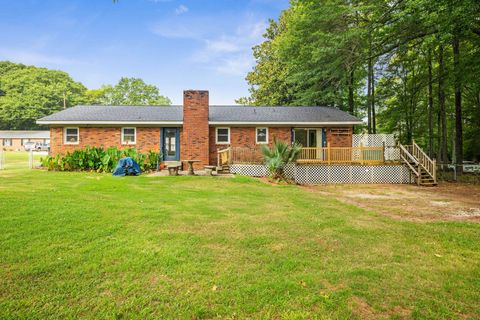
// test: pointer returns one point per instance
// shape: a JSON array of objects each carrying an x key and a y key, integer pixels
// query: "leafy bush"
[
  {"x": 99, "y": 159},
  {"x": 278, "y": 156}
]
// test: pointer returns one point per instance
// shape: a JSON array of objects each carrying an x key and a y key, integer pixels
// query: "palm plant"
[{"x": 278, "y": 156}]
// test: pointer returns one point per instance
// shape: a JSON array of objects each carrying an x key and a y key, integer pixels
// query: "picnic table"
[{"x": 190, "y": 163}]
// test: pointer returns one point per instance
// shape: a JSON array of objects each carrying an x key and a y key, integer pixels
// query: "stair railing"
[
  {"x": 224, "y": 156},
  {"x": 408, "y": 158},
  {"x": 428, "y": 164}
]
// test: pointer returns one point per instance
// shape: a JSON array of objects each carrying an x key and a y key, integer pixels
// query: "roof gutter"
[
  {"x": 57, "y": 122},
  {"x": 298, "y": 123},
  {"x": 241, "y": 123}
]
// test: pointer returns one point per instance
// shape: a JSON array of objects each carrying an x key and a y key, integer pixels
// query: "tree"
[
  {"x": 268, "y": 80},
  {"x": 410, "y": 66},
  {"x": 130, "y": 91},
  {"x": 31, "y": 93}
]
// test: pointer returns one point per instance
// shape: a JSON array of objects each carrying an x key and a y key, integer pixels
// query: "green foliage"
[
  {"x": 99, "y": 159},
  {"x": 280, "y": 154},
  {"x": 30, "y": 93},
  {"x": 371, "y": 58},
  {"x": 268, "y": 80},
  {"x": 130, "y": 91}
]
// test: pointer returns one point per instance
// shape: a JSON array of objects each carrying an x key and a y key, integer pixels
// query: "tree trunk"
[
  {"x": 477, "y": 147},
  {"x": 369, "y": 95},
  {"x": 458, "y": 106},
  {"x": 374, "y": 121},
  {"x": 351, "y": 102},
  {"x": 430, "y": 104},
  {"x": 441, "y": 107},
  {"x": 369, "y": 85}
]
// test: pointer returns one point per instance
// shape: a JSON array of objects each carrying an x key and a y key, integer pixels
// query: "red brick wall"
[
  {"x": 245, "y": 137},
  {"x": 194, "y": 142},
  {"x": 340, "y": 140},
  {"x": 147, "y": 139}
]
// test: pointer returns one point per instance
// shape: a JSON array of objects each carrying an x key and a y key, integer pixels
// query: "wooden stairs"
[
  {"x": 223, "y": 169},
  {"x": 423, "y": 169},
  {"x": 224, "y": 160}
]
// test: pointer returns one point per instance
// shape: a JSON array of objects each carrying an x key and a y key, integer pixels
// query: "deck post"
[
  {"x": 361, "y": 153},
  {"x": 328, "y": 153},
  {"x": 383, "y": 152}
]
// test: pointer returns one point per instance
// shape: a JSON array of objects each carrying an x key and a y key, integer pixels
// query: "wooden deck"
[
  {"x": 325, "y": 156},
  {"x": 342, "y": 155}
]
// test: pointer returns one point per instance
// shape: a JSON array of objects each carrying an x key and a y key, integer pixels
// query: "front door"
[
  {"x": 311, "y": 138},
  {"x": 171, "y": 144}
]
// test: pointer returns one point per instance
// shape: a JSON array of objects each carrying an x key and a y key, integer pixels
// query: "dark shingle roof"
[
  {"x": 117, "y": 113},
  {"x": 225, "y": 114},
  {"x": 278, "y": 114}
]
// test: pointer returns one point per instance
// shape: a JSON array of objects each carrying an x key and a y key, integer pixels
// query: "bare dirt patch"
[{"x": 447, "y": 201}]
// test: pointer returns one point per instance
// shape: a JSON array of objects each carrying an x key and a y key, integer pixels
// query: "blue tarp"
[{"x": 126, "y": 167}]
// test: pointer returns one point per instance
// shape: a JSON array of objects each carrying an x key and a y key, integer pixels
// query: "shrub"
[
  {"x": 99, "y": 159},
  {"x": 278, "y": 156}
]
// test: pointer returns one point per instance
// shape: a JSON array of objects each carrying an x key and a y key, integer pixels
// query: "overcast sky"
[{"x": 176, "y": 45}]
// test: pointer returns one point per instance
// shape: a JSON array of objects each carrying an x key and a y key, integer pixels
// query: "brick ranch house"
[{"x": 196, "y": 130}]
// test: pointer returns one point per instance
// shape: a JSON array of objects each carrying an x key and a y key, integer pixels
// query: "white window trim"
[
  {"x": 256, "y": 135},
  {"x": 65, "y": 135},
  {"x": 216, "y": 135},
  {"x": 134, "y": 136}
]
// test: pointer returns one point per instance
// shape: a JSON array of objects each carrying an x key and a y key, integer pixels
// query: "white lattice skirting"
[
  {"x": 251, "y": 170},
  {"x": 259, "y": 170},
  {"x": 324, "y": 174}
]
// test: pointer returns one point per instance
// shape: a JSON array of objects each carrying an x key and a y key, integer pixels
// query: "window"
[
  {"x": 71, "y": 136},
  {"x": 262, "y": 135},
  {"x": 25, "y": 141},
  {"x": 223, "y": 135},
  {"x": 129, "y": 135},
  {"x": 7, "y": 142}
]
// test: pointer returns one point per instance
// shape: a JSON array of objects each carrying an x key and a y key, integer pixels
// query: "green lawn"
[{"x": 84, "y": 245}]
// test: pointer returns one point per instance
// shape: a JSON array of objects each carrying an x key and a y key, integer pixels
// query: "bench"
[
  {"x": 209, "y": 170},
  {"x": 173, "y": 170}
]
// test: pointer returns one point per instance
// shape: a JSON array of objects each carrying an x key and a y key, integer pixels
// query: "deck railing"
[
  {"x": 239, "y": 155},
  {"x": 343, "y": 155},
  {"x": 224, "y": 157},
  {"x": 328, "y": 155}
]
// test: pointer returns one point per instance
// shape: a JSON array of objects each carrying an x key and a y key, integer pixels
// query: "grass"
[{"x": 85, "y": 245}]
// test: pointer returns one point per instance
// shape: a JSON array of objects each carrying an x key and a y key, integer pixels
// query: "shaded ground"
[{"x": 447, "y": 201}]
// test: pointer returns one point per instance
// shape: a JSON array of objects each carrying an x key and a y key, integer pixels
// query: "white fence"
[
  {"x": 373, "y": 140},
  {"x": 2, "y": 159},
  {"x": 392, "y": 152}
]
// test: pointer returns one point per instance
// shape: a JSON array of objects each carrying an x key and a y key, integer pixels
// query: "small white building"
[{"x": 14, "y": 140}]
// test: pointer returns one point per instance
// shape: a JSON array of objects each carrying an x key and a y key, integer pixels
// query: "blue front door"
[{"x": 171, "y": 144}]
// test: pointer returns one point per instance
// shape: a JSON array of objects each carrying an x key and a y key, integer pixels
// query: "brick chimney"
[{"x": 195, "y": 133}]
